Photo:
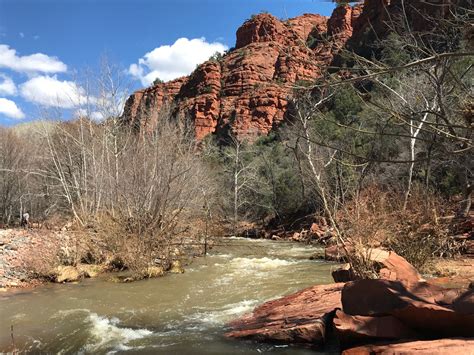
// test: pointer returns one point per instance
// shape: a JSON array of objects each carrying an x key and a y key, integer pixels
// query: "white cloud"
[
  {"x": 49, "y": 91},
  {"x": 10, "y": 109},
  {"x": 37, "y": 62},
  {"x": 172, "y": 61},
  {"x": 7, "y": 86},
  {"x": 94, "y": 115},
  {"x": 22, "y": 35}
]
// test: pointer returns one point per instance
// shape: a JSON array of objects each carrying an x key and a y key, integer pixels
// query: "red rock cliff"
[{"x": 248, "y": 89}]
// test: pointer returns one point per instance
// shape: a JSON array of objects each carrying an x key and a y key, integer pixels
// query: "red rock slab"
[
  {"x": 337, "y": 252},
  {"x": 420, "y": 307},
  {"x": 465, "y": 302},
  {"x": 455, "y": 346},
  {"x": 392, "y": 266},
  {"x": 302, "y": 317},
  {"x": 344, "y": 273},
  {"x": 352, "y": 330},
  {"x": 397, "y": 268}
]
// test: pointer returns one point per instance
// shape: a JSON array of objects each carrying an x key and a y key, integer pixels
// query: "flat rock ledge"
[{"x": 302, "y": 317}]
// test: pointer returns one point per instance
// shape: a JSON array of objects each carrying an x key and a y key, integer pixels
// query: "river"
[{"x": 175, "y": 314}]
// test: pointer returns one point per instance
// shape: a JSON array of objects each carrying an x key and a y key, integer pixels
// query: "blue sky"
[{"x": 46, "y": 45}]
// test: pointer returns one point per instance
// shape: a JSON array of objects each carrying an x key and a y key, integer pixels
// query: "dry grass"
[{"x": 377, "y": 218}]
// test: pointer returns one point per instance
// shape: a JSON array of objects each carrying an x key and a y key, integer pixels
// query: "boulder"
[
  {"x": 465, "y": 302},
  {"x": 176, "y": 267},
  {"x": 344, "y": 273},
  {"x": 455, "y": 346},
  {"x": 154, "y": 271},
  {"x": 296, "y": 237},
  {"x": 68, "y": 274},
  {"x": 90, "y": 270},
  {"x": 336, "y": 252},
  {"x": 425, "y": 308},
  {"x": 321, "y": 233},
  {"x": 302, "y": 317},
  {"x": 395, "y": 267},
  {"x": 391, "y": 266},
  {"x": 352, "y": 330}
]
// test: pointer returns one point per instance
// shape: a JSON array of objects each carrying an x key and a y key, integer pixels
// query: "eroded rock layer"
[{"x": 249, "y": 88}]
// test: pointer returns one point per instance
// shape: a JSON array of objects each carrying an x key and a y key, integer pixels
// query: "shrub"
[
  {"x": 157, "y": 81},
  {"x": 377, "y": 218}
]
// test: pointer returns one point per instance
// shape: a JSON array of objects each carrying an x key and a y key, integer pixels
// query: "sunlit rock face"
[{"x": 248, "y": 90}]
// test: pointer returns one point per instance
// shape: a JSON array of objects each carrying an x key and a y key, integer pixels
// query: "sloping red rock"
[
  {"x": 396, "y": 268},
  {"x": 352, "y": 330},
  {"x": 391, "y": 266},
  {"x": 455, "y": 346},
  {"x": 423, "y": 307},
  {"x": 302, "y": 317},
  {"x": 465, "y": 302}
]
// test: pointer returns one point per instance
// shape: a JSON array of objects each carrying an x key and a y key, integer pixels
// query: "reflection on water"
[{"x": 176, "y": 314}]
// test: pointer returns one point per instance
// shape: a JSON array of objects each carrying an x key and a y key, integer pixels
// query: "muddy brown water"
[{"x": 175, "y": 314}]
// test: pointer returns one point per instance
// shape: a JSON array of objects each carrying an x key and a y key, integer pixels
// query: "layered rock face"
[{"x": 248, "y": 90}]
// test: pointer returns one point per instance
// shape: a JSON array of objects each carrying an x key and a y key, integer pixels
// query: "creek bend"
[{"x": 175, "y": 314}]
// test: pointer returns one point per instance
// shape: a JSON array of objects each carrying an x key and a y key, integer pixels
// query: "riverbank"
[
  {"x": 35, "y": 256},
  {"x": 22, "y": 251}
]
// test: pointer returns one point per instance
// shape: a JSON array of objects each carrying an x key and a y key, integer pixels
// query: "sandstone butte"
[{"x": 249, "y": 89}]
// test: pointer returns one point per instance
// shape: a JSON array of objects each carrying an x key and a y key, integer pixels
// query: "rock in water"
[
  {"x": 154, "y": 271},
  {"x": 67, "y": 274},
  {"x": 176, "y": 267},
  {"x": 302, "y": 317}
]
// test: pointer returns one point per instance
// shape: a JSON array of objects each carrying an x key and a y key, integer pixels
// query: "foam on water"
[
  {"x": 257, "y": 267},
  {"x": 253, "y": 240},
  {"x": 63, "y": 313},
  {"x": 263, "y": 264},
  {"x": 225, "y": 314},
  {"x": 106, "y": 334}
]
